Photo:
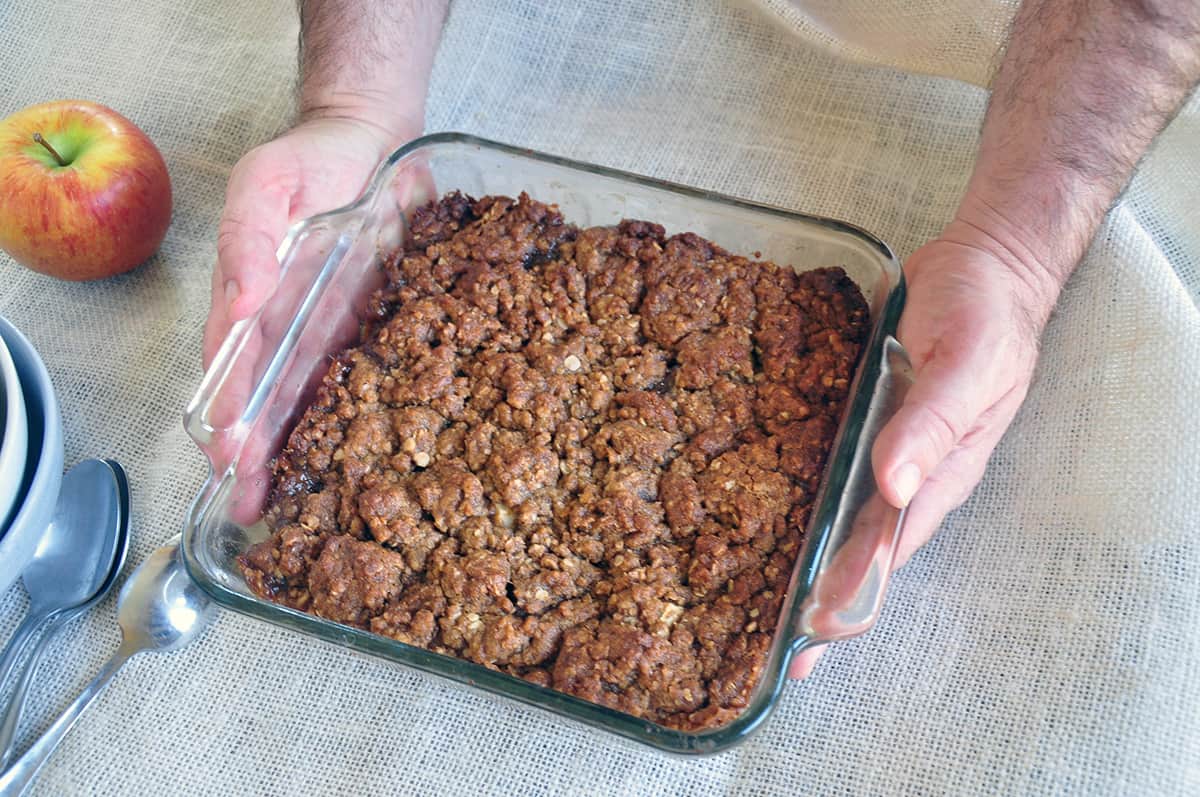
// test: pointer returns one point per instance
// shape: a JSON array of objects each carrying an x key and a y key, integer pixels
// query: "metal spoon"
[
  {"x": 159, "y": 608},
  {"x": 11, "y": 717},
  {"x": 72, "y": 559}
]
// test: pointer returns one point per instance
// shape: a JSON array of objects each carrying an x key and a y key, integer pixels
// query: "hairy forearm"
[
  {"x": 368, "y": 59},
  {"x": 1084, "y": 87}
]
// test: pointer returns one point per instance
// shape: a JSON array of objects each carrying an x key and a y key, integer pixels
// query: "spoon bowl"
[
  {"x": 75, "y": 554},
  {"x": 73, "y": 559},
  {"x": 160, "y": 608}
]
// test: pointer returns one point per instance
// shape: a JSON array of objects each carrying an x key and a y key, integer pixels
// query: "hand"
[
  {"x": 971, "y": 326},
  {"x": 319, "y": 165}
]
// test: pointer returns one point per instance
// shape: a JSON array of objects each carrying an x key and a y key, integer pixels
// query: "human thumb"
[{"x": 942, "y": 406}]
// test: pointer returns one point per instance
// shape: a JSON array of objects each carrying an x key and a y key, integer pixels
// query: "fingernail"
[
  {"x": 231, "y": 292},
  {"x": 905, "y": 481}
]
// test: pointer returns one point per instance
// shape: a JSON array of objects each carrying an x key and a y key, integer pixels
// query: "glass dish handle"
[
  {"x": 852, "y": 570},
  {"x": 253, "y": 358}
]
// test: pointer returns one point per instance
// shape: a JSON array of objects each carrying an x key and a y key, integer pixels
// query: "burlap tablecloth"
[{"x": 1047, "y": 642}]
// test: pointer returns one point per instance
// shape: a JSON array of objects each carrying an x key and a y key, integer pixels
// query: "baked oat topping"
[{"x": 584, "y": 457}]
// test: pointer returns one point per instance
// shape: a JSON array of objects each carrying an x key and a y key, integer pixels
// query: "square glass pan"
[{"x": 268, "y": 367}]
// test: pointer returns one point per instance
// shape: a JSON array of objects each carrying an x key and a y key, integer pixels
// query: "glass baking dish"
[{"x": 267, "y": 369}]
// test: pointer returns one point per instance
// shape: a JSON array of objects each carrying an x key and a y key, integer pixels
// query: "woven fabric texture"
[{"x": 1045, "y": 643}]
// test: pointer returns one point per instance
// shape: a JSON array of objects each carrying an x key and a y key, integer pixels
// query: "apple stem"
[{"x": 39, "y": 139}]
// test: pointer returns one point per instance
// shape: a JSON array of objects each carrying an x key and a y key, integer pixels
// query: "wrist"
[
  {"x": 1031, "y": 265},
  {"x": 1041, "y": 214},
  {"x": 392, "y": 118}
]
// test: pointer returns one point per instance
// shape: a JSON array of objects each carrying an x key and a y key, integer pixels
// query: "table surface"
[{"x": 1046, "y": 642}]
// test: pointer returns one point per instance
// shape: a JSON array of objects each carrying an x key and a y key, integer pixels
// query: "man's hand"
[
  {"x": 364, "y": 69},
  {"x": 316, "y": 166},
  {"x": 1084, "y": 87},
  {"x": 971, "y": 326}
]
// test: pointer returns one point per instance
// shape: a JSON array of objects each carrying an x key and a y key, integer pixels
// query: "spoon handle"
[
  {"x": 25, "y": 632},
  {"x": 18, "y": 777},
  {"x": 10, "y": 715}
]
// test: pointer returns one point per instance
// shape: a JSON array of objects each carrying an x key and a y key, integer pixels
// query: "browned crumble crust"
[{"x": 582, "y": 457}]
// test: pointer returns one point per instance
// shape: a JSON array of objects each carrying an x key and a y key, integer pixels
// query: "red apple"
[{"x": 84, "y": 193}]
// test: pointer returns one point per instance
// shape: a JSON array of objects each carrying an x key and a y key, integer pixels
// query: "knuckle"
[
  {"x": 228, "y": 234},
  {"x": 237, "y": 240},
  {"x": 941, "y": 429}
]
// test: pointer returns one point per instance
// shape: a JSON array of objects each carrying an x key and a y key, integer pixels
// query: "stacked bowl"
[{"x": 31, "y": 452}]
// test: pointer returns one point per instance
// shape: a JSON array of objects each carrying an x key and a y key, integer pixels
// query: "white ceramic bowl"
[
  {"x": 14, "y": 436},
  {"x": 45, "y": 459}
]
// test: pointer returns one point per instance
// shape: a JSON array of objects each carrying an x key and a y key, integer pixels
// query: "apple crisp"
[{"x": 584, "y": 457}]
